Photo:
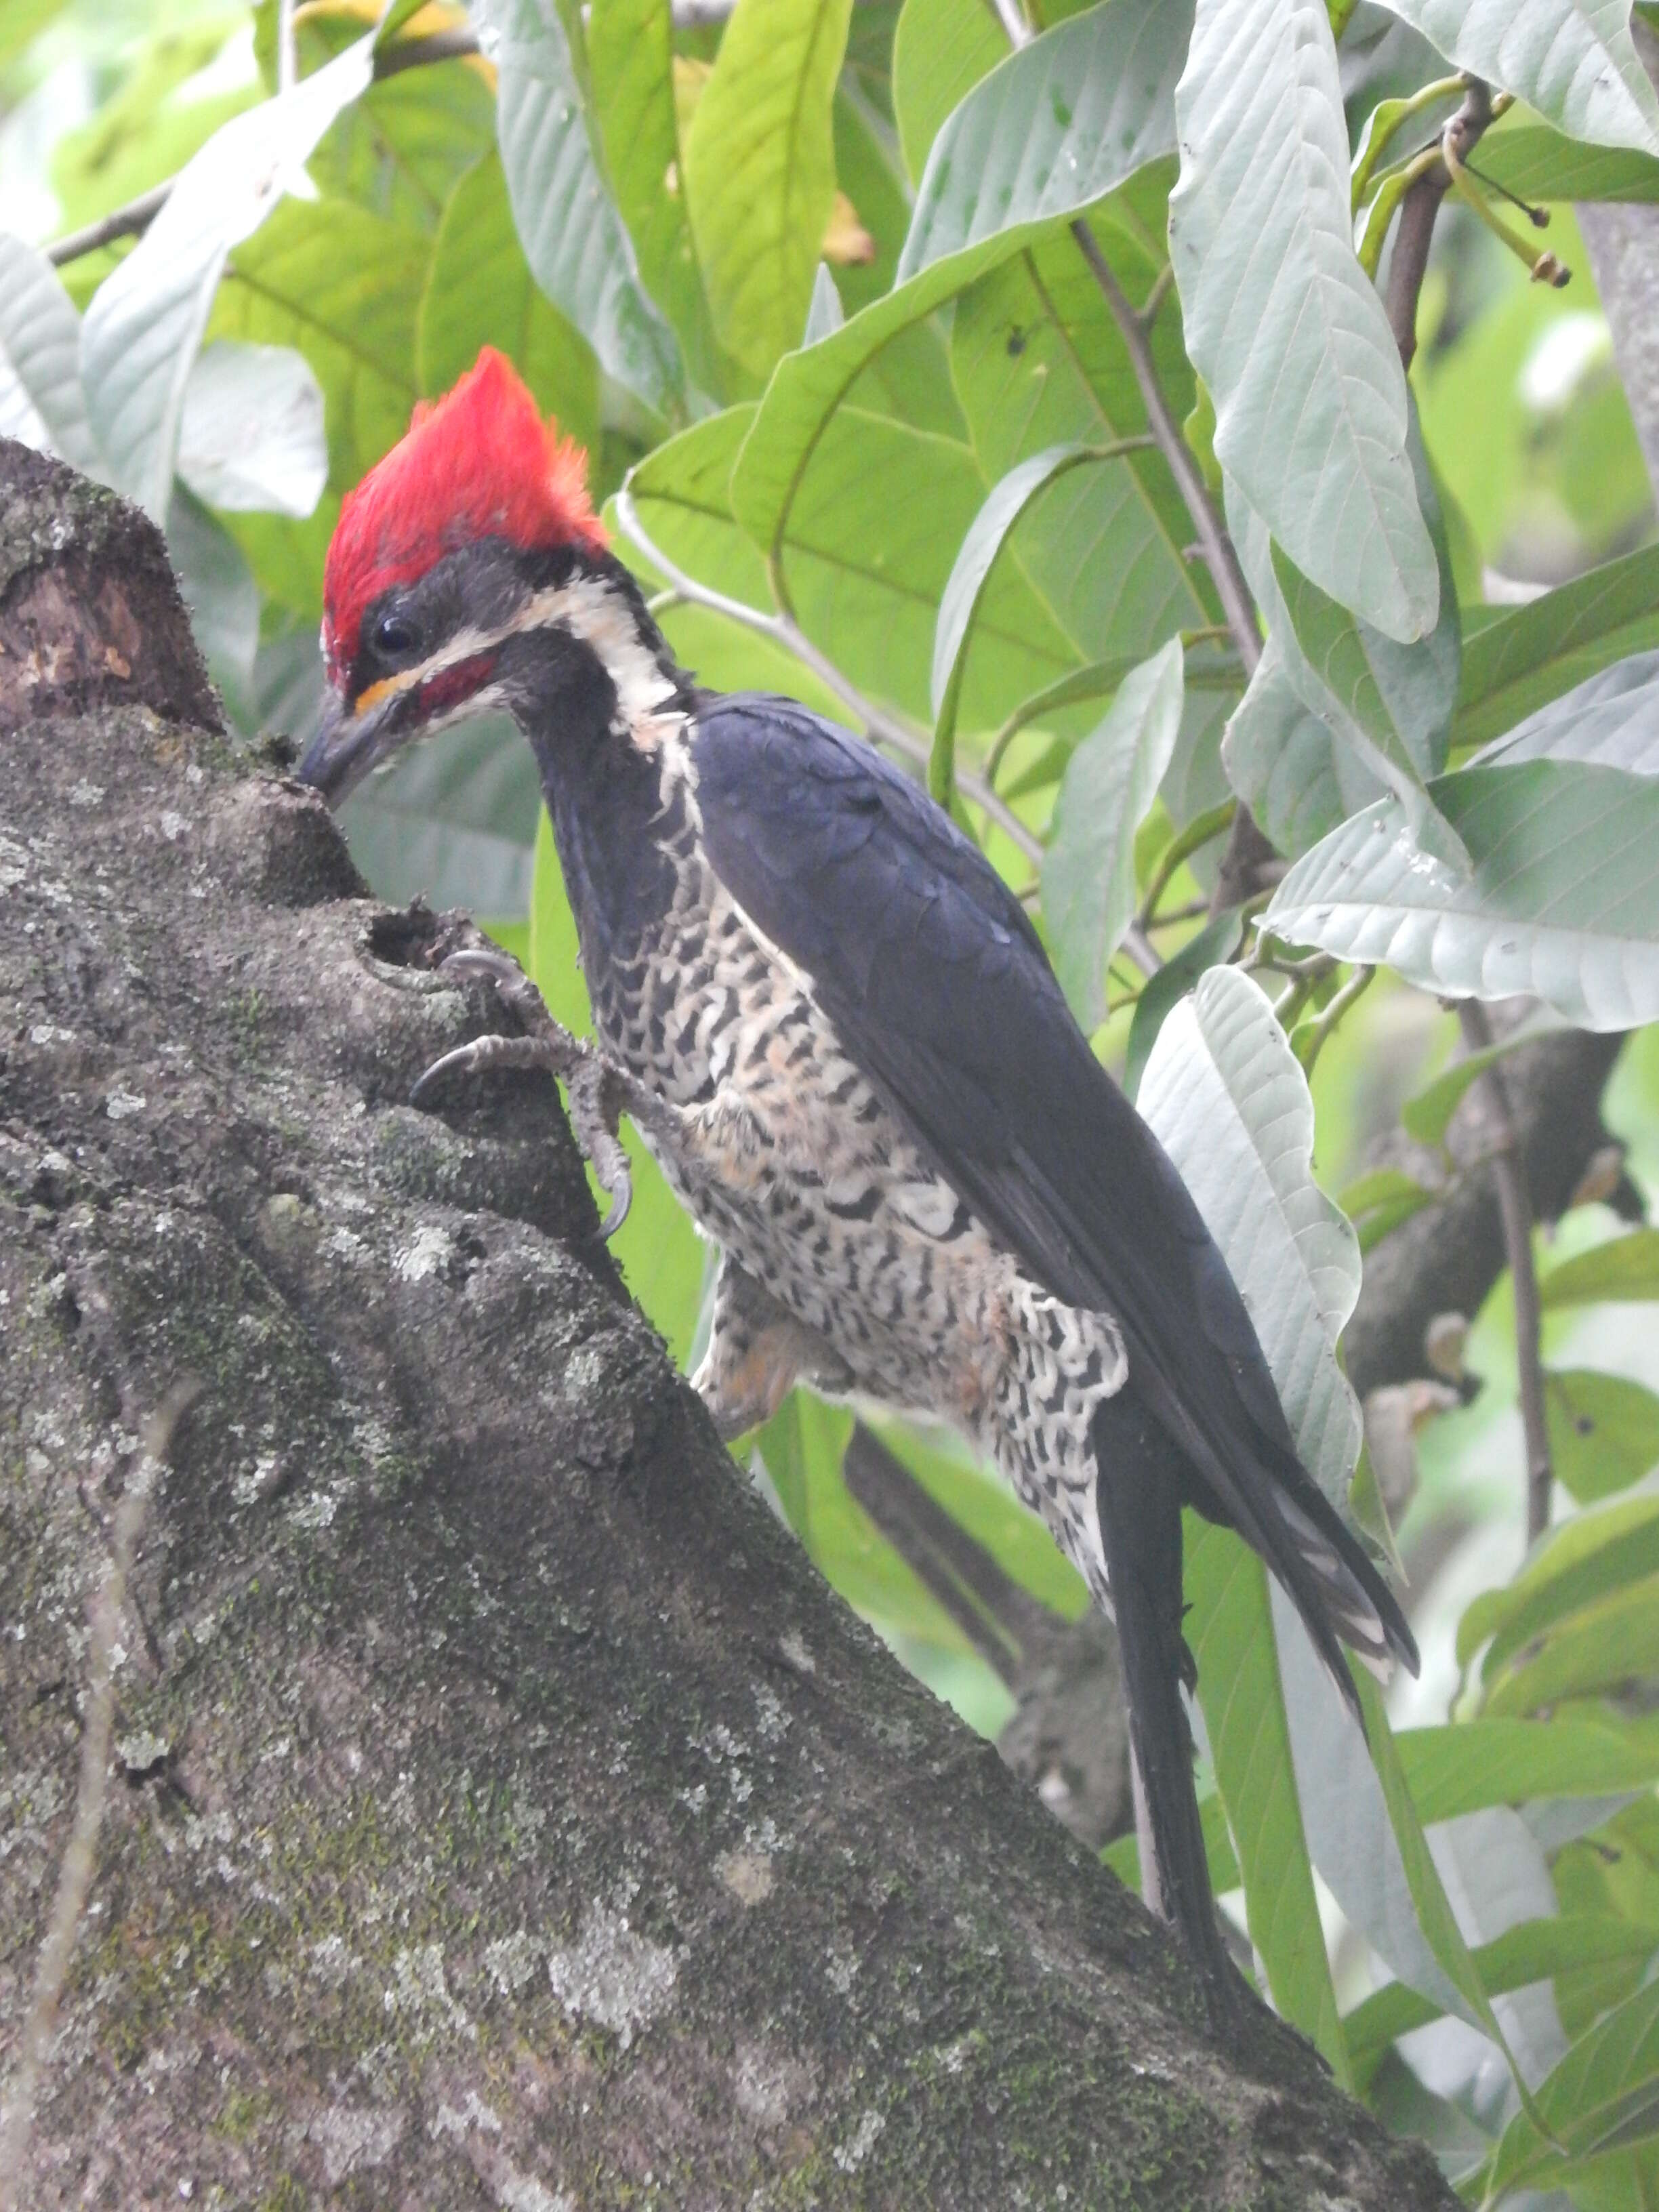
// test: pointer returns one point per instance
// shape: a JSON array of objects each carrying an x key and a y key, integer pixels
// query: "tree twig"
[
  {"x": 1217, "y": 547},
  {"x": 1418, "y": 211},
  {"x": 80, "y": 1859},
  {"x": 1515, "y": 1207},
  {"x": 121, "y": 222}
]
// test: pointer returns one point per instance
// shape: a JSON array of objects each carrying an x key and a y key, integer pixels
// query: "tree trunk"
[{"x": 500, "y": 1811}]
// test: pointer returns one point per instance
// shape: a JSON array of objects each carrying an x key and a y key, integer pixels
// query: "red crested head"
[{"x": 478, "y": 463}]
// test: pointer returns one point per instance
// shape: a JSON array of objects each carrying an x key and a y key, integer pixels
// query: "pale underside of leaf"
[
  {"x": 1109, "y": 783},
  {"x": 1231, "y": 1105},
  {"x": 41, "y": 398},
  {"x": 1056, "y": 126},
  {"x": 1563, "y": 903},
  {"x": 573, "y": 237},
  {"x": 1573, "y": 60},
  {"x": 141, "y": 334},
  {"x": 1281, "y": 322}
]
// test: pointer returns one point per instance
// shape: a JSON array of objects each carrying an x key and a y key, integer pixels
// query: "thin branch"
[
  {"x": 1417, "y": 211},
  {"x": 138, "y": 214},
  {"x": 455, "y": 45},
  {"x": 1514, "y": 1208},
  {"x": 80, "y": 1859},
  {"x": 1357, "y": 984},
  {"x": 1217, "y": 547}
]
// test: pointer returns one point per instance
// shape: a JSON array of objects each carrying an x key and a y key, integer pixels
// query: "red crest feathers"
[{"x": 478, "y": 463}]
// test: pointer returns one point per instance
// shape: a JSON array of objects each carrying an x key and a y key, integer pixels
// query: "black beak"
[{"x": 349, "y": 743}]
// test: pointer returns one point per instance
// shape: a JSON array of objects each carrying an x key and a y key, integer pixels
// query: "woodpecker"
[{"x": 838, "y": 1032}]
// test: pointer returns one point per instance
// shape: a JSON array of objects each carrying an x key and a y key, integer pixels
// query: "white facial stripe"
[
  {"x": 589, "y": 609},
  {"x": 594, "y": 612}
]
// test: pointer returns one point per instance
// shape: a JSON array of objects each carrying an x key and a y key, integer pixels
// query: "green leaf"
[
  {"x": 1397, "y": 699},
  {"x": 1061, "y": 123},
  {"x": 630, "y": 59},
  {"x": 576, "y": 243},
  {"x": 401, "y": 149},
  {"x": 1467, "y": 1766},
  {"x": 965, "y": 585},
  {"x": 1612, "y": 1640},
  {"x": 1573, "y": 60},
  {"x": 1622, "y": 1268},
  {"x": 802, "y": 1448},
  {"x": 1283, "y": 762},
  {"x": 1367, "y": 1836},
  {"x": 941, "y": 49},
  {"x": 1378, "y": 1202},
  {"x": 868, "y": 554},
  {"x": 1562, "y": 902},
  {"x": 1385, "y": 709},
  {"x": 140, "y": 337},
  {"x": 1088, "y": 870},
  {"x": 1225, "y": 1097},
  {"x": 479, "y": 292},
  {"x": 41, "y": 401},
  {"x": 662, "y": 1256},
  {"x": 1535, "y": 161},
  {"x": 910, "y": 377},
  {"x": 760, "y": 174},
  {"x": 1603, "y": 1429},
  {"x": 807, "y": 387},
  {"x": 1282, "y": 325},
  {"x": 1216, "y": 942},
  {"x": 1603, "y": 2096},
  {"x": 343, "y": 288},
  {"x": 1533, "y": 1951},
  {"x": 1038, "y": 361},
  {"x": 1400, "y": 739},
  {"x": 1532, "y": 655},
  {"x": 1572, "y": 1567},
  {"x": 1427, "y": 1116},
  {"x": 1229, "y": 1628}
]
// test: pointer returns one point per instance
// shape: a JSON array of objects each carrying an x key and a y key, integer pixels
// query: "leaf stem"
[
  {"x": 1418, "y": 211},
  {"x": 1182, "y": 847},
  {"x": 1515, "y": 1209},
  {"x": 1356, "y": 987},
  {"x": 1217, "y": 547}
]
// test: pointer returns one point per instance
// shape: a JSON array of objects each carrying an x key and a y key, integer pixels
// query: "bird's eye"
[{"x": 396, "y": 635}]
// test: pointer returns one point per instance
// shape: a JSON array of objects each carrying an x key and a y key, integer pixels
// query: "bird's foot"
[{"x": 597, "y": 1089}]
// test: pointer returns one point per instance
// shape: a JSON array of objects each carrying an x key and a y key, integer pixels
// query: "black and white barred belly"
[{"x": 803, "y": 1176}]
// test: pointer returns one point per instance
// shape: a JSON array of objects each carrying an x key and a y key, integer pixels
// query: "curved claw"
[
  {"x": 461, "y": 1055},
  {"x": 478, "y": 963},
  {"x": 621, "y": 1200}
]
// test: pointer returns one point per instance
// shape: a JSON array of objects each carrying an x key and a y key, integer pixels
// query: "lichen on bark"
[{"x": 503, "y": 1813}]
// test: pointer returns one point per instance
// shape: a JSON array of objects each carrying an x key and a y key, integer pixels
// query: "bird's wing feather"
[{"x": 938, "y": 987}]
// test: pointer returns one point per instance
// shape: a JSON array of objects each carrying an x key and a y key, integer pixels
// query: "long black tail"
[{"x": 1139, "y": 1481}]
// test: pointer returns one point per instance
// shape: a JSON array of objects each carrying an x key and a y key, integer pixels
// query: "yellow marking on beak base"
[{"x": 385, "y": 689}]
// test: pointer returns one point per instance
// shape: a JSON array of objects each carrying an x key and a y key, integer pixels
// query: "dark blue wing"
[{"x": 940, "y": 989}]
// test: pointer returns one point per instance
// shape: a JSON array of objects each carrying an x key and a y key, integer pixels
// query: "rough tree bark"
[{"x": 503, "y": 1811}]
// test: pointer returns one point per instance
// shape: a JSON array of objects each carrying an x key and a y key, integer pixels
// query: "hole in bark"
[{"x": 404, "y": 938}]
